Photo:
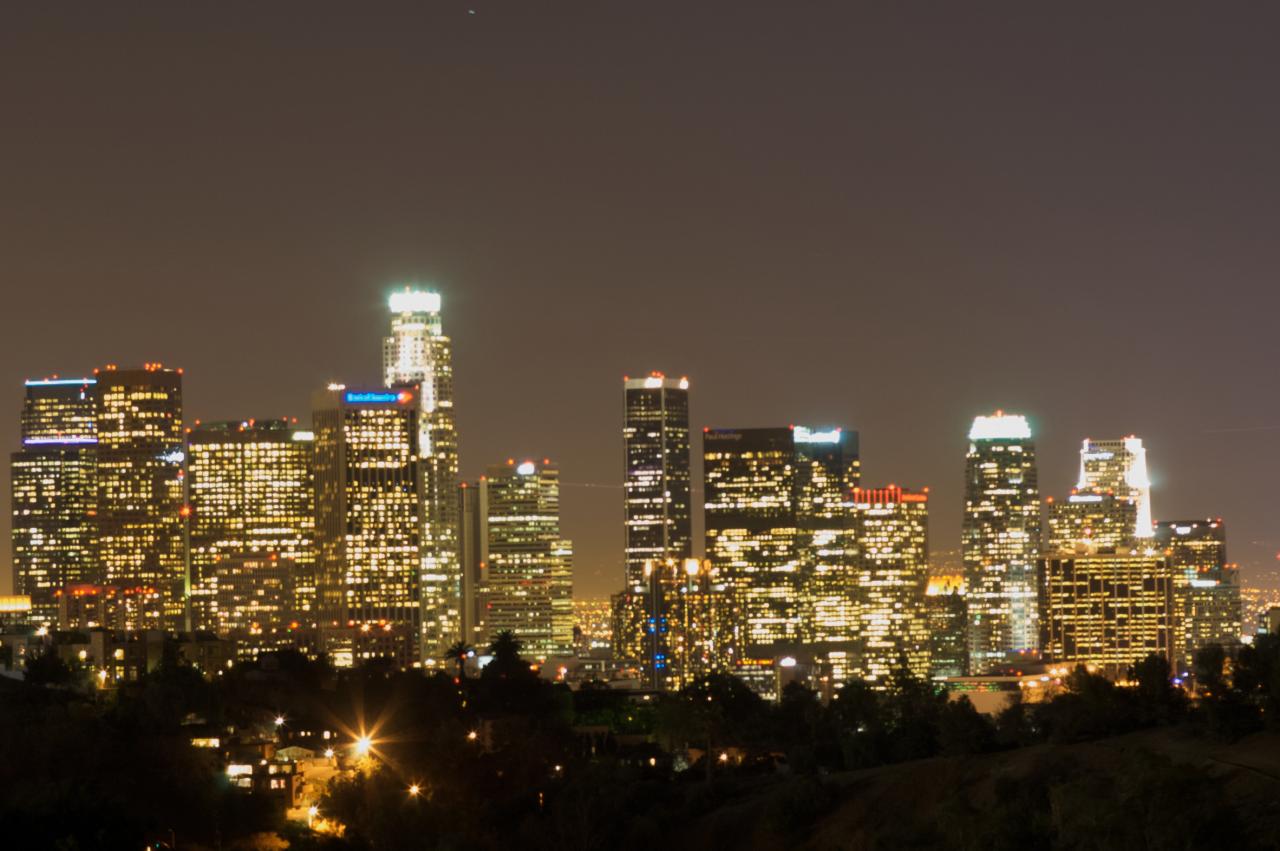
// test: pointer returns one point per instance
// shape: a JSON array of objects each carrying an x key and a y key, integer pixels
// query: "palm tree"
[
  {"x": 505, "y": 647},
  {"x": 459, "y": 653}
]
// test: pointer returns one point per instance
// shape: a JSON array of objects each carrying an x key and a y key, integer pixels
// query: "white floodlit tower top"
[
  {"x": 1000, "y": 426},
  {"x": 1119, "y": 466},
  {"x": 408, "y": 354},
  {"x": 414, "y": 301}
]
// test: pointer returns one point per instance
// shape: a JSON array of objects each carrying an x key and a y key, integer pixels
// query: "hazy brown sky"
[{"x": 889, "y": 217}]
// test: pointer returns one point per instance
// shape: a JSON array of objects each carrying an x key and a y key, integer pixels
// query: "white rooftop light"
[
  {"x": 1000, "y": 426},
  {"x": 526, "y": 469},
  {"x": 801, "y": 434},
  {"x": 414, "y": 301}
]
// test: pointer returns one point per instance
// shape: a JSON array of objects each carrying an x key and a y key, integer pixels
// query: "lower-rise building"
[{"x": 1107, "y": 610}]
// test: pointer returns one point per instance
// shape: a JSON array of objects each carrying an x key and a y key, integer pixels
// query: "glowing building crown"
[
  {"x": 1000, "y": 426},
  {"x": 414, "y": 301}
]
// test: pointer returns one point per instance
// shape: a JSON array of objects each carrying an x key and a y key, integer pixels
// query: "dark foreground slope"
[{"x": 1152, "y": 790}]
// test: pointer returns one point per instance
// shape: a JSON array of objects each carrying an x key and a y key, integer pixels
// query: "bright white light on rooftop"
[
  {"x": 414, "y": 301},
  {"x": 808, "y": 435},
  {"x": 1000, "y": 426},
  {"x": 526, "y": 469}
]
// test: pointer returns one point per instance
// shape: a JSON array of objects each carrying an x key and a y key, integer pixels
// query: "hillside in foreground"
[{"x": 1164, "y": 788}]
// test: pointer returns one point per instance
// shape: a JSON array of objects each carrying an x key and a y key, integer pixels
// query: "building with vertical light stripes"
[
  {"x": 370, "y": 495},
  {"x": 140, "y": 489},
  {"x": 53, "y": 492},
  {"x": 1001, "y": 542},
  {"x": 526, "y": 582},
  {"x": 1107, "y": 611},
  {"x": 418, "y": 356},
  {"x": 657, "y": 520},
  {"x": 891, "y": 527},
  {"x": 251, "y": 496}
]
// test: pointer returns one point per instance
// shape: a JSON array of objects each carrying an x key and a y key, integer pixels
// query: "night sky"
[{"x": 890, "y": 217}]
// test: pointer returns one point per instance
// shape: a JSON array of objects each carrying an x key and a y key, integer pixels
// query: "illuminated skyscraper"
[
  {"x": 252, "y": 499},
  {"x": 1091, "y": 521},
  {"x": 945, "y": 612},
  {"x": 527, "y": 584},
  {"x": 140, "y": 488},
  {"x": 777, "y": 531},
  {"x": 701, "y": 622},
  {"x": 53, "y": 493},
  {"x": 1119, "y": 467},
  {"x": 891, "y": 527},
  {"x": 1206, "y": 587},
  {"x": 471, "y": 557},
  {"x": 1107, "y": 610},
  {"x": 369, "y": 504},
  {"x": 1001, "y": 541},
  {"x": 655, "y": 436},
  {"x": 418, "y": 353}
]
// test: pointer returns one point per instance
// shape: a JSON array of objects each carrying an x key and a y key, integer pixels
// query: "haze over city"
[{"x": 874, "y": 218}]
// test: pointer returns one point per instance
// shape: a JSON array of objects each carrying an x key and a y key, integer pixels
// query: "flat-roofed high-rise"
[
  {"x": 527, "y": 579},
  {"x": 1001, "y": 541},
  {"x": 138, "y": 414},
  {"x": 1107, "y": 611},
  {"x": 776, "y": 528},
  {"x": 52, "y": 480},
  {"x": 252, "y": 506},
  {"x": 1206, "y": 587},
  {"x": 657, "y": 528},
  {"x": 891, "y": 528},
  {"x": 369, "y": 504}
]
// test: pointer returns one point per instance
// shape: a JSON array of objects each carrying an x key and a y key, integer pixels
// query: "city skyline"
[
  {"x": 888, "y": 213},
  {"x": 598, "y": 583}
]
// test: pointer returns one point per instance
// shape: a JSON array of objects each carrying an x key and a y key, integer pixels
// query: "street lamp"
[
  {"x": 414, "y": 790},
  {"x": 363, "y": 745}
]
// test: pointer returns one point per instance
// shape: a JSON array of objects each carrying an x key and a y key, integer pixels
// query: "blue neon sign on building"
[{"x": 370, "y": 398}]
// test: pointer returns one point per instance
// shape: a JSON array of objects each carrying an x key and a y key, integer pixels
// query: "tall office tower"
[
  {"x": 1001, "y": 541},
  {"x": 527, "y": 585},
  {"x": 1107, "y": 610},
  {"x": 827, "y": 468},
  {"x": 1119, "y": 467},
  {"x": 777, "y": 532},
  {"x": 1206, "y": 587},
  {"x": 657, "y": 525},
  {"x": 471, "y": 531},
  {"x": 945, "y": 611},
  {"x": 52, "y": 488},
  {"x": 418, "y": 353},
  {"x": 369, "y": 504},
  {"x": 140, "y": 488},
  {"x": 891, "y": 526},
  {"x": 251, "y": 495},
  {"x": 1091, "y": 521}
]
